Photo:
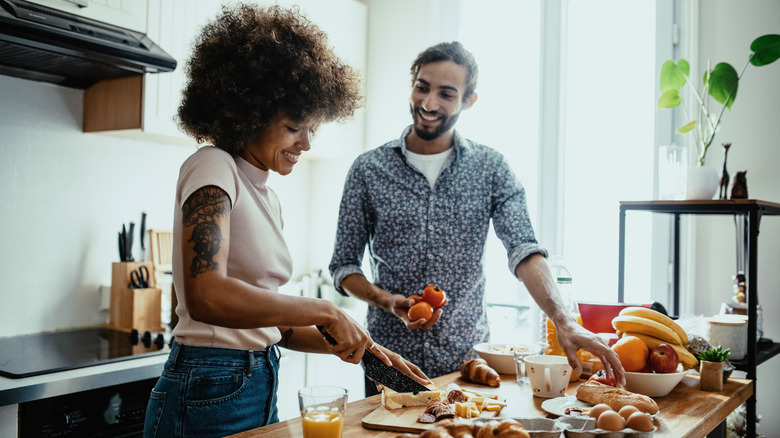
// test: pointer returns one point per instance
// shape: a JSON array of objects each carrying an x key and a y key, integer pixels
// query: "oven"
[
  {"x": 114, "y": 411},
  {"x": 108, "y": 411}
]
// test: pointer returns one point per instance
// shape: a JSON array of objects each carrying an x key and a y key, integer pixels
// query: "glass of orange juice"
[{"x": 322, "y": 411}]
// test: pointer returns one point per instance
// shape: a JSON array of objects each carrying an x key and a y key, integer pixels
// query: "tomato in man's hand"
[
  {"x": 434, "y": 296},
  {"x": 601, "y": 377},
  {"x": 421, "y": 310}
]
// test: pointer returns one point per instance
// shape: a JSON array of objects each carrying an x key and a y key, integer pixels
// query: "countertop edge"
[{"x": 15, "y": 391}]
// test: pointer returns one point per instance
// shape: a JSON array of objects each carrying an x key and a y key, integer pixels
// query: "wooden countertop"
[{"x": 685, "y": 412}]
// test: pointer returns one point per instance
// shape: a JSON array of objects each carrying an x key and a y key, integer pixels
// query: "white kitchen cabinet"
[{"x": 130, "y": 14}]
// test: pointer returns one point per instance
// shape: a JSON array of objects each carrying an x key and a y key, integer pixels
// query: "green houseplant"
[
  {"x": 719, "y": 83},
  {"x": 713, "y": 361}
]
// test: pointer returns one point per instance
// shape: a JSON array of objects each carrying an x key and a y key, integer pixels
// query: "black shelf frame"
[{"x": 751, "y": 211}]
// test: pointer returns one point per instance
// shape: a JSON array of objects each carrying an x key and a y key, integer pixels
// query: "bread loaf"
[
  {"x": 595, "y": 393},
  {"x": 478, "y": 371}
]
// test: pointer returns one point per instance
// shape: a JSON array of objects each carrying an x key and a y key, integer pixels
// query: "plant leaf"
[
  {"x": 687, "y": 128},
  {"x": 766, "y": 50},
  {"x": 673, "y": 76},
  {"x": 723, "y": 84},
  {"x": 669, "y": 99}
]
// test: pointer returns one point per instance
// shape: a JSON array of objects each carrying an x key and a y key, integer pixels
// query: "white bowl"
[
  {"x": 500, "y": 357},
  {"x": 653, "y": 384}
]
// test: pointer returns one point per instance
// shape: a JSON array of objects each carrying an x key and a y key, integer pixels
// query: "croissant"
[
  {"x": 510, "y": 429},
  {"x": 478, "y": 371}
]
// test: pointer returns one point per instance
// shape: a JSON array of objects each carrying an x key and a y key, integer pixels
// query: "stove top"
[{"x": 44, "y": 353}]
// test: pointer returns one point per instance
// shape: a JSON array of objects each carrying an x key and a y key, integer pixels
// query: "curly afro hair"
[{"x": 251, "y": 62}]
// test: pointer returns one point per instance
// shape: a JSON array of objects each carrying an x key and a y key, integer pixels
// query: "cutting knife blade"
[{"x": 377, "y": 371}]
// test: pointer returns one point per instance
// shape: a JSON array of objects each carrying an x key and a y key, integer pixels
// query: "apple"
[{"x": 663, "y": 359}]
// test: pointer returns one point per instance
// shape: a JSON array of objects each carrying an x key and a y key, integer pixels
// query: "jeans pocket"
[
  {"x": 214, "y": 385},
  {"x": 154, "y": 413}
]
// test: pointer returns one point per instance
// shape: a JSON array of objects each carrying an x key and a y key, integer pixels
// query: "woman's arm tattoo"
[{"x": 201, "y": 210}]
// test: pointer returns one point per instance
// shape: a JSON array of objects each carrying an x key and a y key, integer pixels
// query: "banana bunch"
[{"x": 654, "y": 328}]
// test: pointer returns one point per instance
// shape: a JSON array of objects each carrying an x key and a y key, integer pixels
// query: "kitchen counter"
[
  {"x": 685, "y": 412},
  {"x": 15, "y": 391}
]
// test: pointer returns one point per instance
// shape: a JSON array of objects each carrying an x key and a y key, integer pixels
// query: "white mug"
[{"x": 548, "y": 374}]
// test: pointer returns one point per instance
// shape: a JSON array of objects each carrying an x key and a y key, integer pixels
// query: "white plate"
[{"x": 558, "y": 405}]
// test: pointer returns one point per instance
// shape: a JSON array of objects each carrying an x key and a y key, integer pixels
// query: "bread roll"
[
  {"x": 595, "y": 393},
  {"x": 478, "y": 371}
]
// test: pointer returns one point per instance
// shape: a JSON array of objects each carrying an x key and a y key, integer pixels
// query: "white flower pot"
[{"x": 702, "y": 182}]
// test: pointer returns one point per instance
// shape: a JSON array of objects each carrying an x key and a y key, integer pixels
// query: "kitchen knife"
[
  {"x": 129, "y": 247},
  {"x": 121, "y": 246},
  {"x": 377, "y": 371},
  {"x": 141, "y": 233},
  {"x": 123, "y": 243}
]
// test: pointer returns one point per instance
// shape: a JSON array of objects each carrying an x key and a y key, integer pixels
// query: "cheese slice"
[{"x": 396, "y": 400}]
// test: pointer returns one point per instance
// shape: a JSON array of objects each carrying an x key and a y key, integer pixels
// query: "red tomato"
[
  {"x": 421, "y": 310},
  {"x": 434, "y": 296}
]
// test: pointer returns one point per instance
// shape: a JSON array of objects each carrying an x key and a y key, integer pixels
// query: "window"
[{"x": 604, "y": 152}]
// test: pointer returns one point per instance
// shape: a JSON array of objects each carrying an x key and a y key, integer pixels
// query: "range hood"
[{"x": 49, "y": 45}]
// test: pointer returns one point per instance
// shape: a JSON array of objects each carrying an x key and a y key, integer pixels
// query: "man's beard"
[{"x": 445, "y": 126}]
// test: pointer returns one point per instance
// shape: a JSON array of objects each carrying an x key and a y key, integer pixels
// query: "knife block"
[{"x": 133, "y": 308}]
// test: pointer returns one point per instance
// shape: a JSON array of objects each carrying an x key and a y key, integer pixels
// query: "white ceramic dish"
[
  {"x": 653, "y": 384},
  {"x": 558, "y": 405},
  {"x": 500, "y": 357}
]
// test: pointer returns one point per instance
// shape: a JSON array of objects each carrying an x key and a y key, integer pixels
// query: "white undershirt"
[{"x": 429, "y": 165}]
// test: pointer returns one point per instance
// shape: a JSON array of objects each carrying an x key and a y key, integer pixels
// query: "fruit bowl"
[
  {"x": 653, "y": 384},
  {"x": 501, "y": 357}
]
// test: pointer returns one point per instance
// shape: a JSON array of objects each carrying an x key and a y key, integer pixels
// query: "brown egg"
[
  {"x": 595, "y": 411},
  {"x": 610, "y": 420},
  {"x": 640, "y": 421},
  {"x": 626, "y": 411}
]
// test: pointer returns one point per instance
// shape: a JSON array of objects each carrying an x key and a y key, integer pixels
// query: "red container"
[{"x": 597, "y": 317}]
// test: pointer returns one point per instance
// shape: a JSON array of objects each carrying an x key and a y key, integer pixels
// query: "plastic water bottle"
[{"x": 563, "y": 281}]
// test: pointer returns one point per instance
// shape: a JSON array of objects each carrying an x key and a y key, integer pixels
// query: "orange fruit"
[
  {"x": 421, "y": 310},
  {"x": 433, "y": 295},
  {"x": 633, "y": 353}
]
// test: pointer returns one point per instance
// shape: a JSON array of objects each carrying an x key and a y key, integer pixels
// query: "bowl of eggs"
[
  {"x": 501, "y": 357},
  {"x": 653, "y": 384},
  {"x": 628, "y": 419}
]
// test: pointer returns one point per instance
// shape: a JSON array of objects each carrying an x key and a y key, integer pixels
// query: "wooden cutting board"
[{"x": 405, "y": 419}]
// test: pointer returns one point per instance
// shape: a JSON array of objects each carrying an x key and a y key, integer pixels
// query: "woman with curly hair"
[{"x": 260, "y": 82}]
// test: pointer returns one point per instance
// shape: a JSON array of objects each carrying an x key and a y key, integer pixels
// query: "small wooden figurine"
[
  {"x": 739, "y": 186},
  {"x": 724, "y": 174}
]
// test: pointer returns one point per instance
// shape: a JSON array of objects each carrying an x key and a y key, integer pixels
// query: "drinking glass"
[
  {"x": 322, "y": 411},
  {"x": 520, "y": 352}
]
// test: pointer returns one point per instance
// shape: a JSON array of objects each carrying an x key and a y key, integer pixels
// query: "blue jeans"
[{"x": 213, "y": 392}]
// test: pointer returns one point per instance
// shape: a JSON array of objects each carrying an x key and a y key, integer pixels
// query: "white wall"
[
  {"x": 726, "y": 30},
  {"x": 64, "y": 197}
]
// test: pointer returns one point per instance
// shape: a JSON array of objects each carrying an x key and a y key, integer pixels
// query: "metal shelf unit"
[{"x": 751, "y": 211}]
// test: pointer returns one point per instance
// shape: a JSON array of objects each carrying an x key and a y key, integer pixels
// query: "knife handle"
[{"x": 327, "y": 335}]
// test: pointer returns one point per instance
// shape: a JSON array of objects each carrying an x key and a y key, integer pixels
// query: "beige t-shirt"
[{"x": 258, "y": 253}]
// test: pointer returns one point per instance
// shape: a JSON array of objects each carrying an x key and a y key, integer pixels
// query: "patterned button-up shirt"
[{"x": 418, "y": 235}]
